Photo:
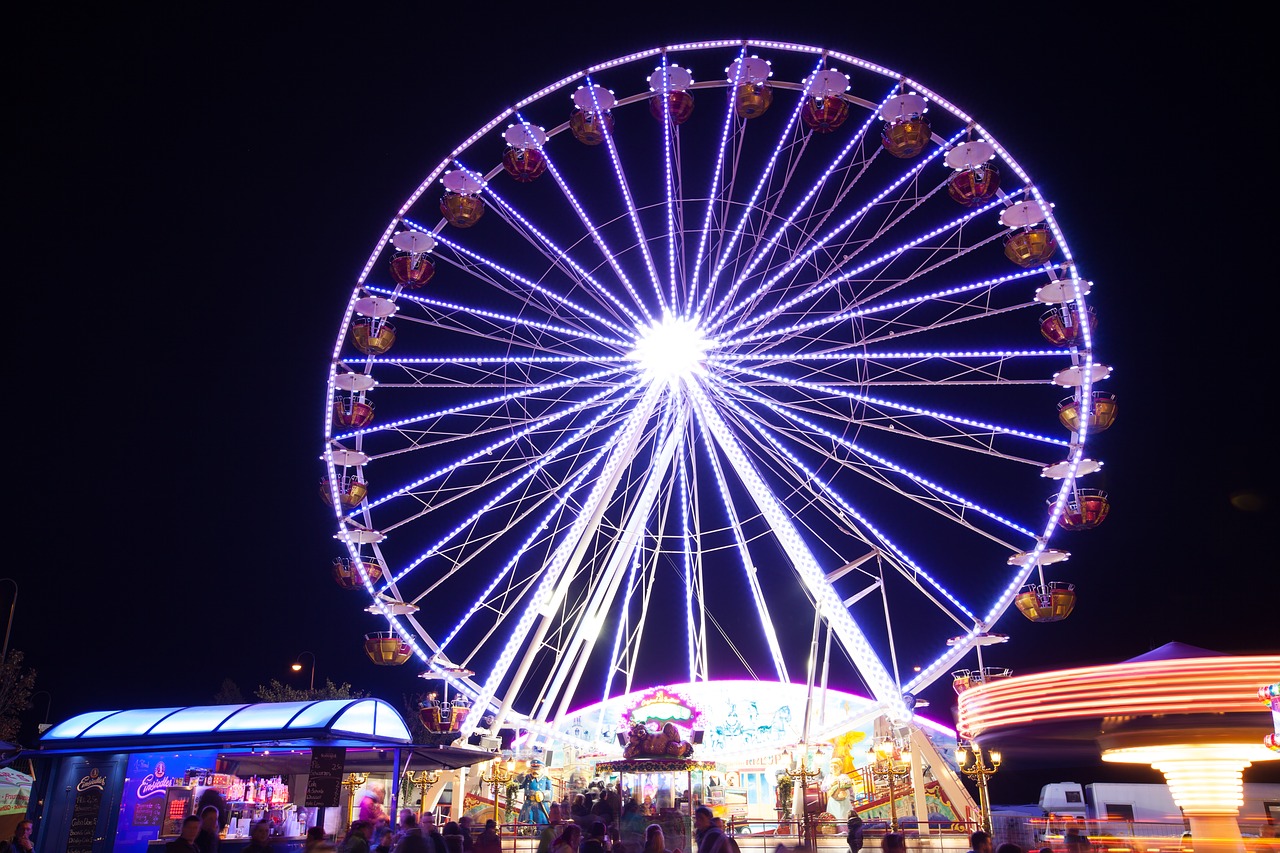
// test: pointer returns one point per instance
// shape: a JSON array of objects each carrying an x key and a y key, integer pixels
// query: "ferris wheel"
[{"x": 699, "y": 357}]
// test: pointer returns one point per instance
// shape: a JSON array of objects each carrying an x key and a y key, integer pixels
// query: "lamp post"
[
  {"x": 801, "y": 776},
  {"x": 297, "y": 667},
  {"x": 971, "y": 762},
  {"x": 890, "y": 766},
  {"x": 44, "y": 724},
  {"x": 423, "y": 781},
  {"x": 499, "y": 775},
  {"x": 4, "y": 655}
]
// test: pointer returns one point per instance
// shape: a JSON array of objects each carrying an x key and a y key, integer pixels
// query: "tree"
[
  {"x": 16, "y": 684},
  {"x": 275, "y": 691},
  {"x": 411, "y": 706},
  {"x": 228, "y": 694}
]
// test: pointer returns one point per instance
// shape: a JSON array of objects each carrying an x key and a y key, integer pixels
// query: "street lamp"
[
  {"x": 43, "y": 725},
  {"x": 970, "y": 761},
  {"x": 297, "y": 667},
  {"x": 4, "y": 655},
  {"x": 423, "y": 781},
  {"x": 499, "y": 775},
  {"x": 890, "y": 767},
  {"x": 802, "y": 776}
]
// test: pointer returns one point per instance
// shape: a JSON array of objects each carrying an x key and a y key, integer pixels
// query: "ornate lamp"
[{"x": 971, "y": 762}]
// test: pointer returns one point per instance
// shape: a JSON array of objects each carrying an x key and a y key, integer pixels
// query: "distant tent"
[{"x": 1175, "y": 651}]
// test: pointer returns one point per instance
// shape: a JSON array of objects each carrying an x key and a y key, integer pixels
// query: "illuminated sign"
[{"x": 661, "y": 705}]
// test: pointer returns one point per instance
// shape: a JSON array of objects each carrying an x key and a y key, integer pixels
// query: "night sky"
[{"x": 198, "y": 189}]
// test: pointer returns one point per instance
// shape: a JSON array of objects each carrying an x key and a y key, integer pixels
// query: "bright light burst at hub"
[
  {"x": 670, "y": 350},
  {"x": 652, "y": 395}
]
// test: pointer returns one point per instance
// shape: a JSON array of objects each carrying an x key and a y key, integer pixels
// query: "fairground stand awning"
[{"x": 369, "y": 724}]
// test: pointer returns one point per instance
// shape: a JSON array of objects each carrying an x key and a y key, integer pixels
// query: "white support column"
[
  {"x": 917, "y": 786},
  {"x": 952, "y": 787},
  {"x": 562, "y": 566},
  {"x": 882, "y": 685},
  {"x": 607, "y": 590}
]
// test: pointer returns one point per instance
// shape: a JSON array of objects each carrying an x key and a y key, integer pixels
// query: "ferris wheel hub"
[{"x": 671, "y": 349}]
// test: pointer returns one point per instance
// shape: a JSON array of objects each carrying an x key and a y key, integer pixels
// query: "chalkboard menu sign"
[
  {"x": 149, "y": 812},
  {"x": 84, "y": 814},
  {"x": 325, "y": 777}
]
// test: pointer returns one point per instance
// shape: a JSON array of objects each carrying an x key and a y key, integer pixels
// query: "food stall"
[{"x": 124, "y": 780}]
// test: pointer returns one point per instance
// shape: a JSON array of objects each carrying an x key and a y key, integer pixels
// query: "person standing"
[
  {"x": 1075, "y": 839},
  {"x": 567, "y": 841},
  {"x": 980, "y": 842},
  {"x": 22, "y": 842},
  {"x": 855, "y": 832},
  {"x": 208, "y": 839},
  {"x": 895, "y": 842},
  {"x": 184, "y": 843},
  {"x": 371, "y": 808},
  {"x": 467, "y": 826},
  {"x": 552, "y": 829},
  {"x": 655, "y": 841},
  {"x": 597, "y": 839},
  {"x": 710, "y": 839},
  {"x": 359, "y": 834},
  {"x": 489, "y": 842}
]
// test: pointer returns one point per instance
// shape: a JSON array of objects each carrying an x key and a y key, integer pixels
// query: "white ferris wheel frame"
[{"x": 535, "y": 617}]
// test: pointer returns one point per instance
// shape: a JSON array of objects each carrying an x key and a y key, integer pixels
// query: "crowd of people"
[
  {"x": 596, "y": 821},
  {"x": 979, "y": 841},
  {"x": 411, "y": 835}
]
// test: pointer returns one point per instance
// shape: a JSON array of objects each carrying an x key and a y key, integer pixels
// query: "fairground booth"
[{"x": 123, "y": 780}]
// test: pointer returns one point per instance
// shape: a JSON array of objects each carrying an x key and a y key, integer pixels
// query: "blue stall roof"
[{"x": 365, "y": 720}]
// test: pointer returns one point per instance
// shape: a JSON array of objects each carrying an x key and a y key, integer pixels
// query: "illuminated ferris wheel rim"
[
  {"x": 745, "y": 44},
  {"x": 1030, "y": 558}
]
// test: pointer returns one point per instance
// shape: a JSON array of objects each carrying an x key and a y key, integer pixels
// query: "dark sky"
[{"x": 197, "y": 191}]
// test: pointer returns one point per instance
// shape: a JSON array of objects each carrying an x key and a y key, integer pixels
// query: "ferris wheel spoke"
[
  {"x": 892, "y": 411},
  {"x": 687, "y": 532},
  {"x": 838, "y": 277},
  {"x": 726, "y": 253},
  {"x": 596, "y": 236},
  {"x": 557, "y": 510},
  {"x": 511, "y": 323},
  {"x": 714, "y": 191},
  {"x": 877, "y": 677},
  {"x": 487, "y": 451},
  {"x": 876, "y": 466},
  {"x": 566, "y": 556},
  {"x": 669, "y": 157},
  {"x": 473, "y": 406},
  {"x": 748, "y": 565},
  {"x": 579, "y": 311},
  {"x": 763, "y": 250},
  {"x": 806, "y": 478},
  {"x": 642, "y": 241},
  {"x": 558, "y": 256},
  {"x": 893, "y": 313}
]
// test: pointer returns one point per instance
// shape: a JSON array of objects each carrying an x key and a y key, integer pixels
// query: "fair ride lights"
[
  {"x": 1192, "y": 714},
  {"x": 698, "y": 345}
]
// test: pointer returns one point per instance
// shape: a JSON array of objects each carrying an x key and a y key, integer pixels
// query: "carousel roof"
[{"x": 367, "y": 720}]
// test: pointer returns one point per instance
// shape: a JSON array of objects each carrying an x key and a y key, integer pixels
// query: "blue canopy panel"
[{"x": 364, "y": 720}]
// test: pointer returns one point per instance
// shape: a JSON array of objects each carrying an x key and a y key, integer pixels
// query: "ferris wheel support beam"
[
  {"x": 606, "y": 592},
  {"x": 568, "y": 555},
  {"x": 828, "y": 603}
]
